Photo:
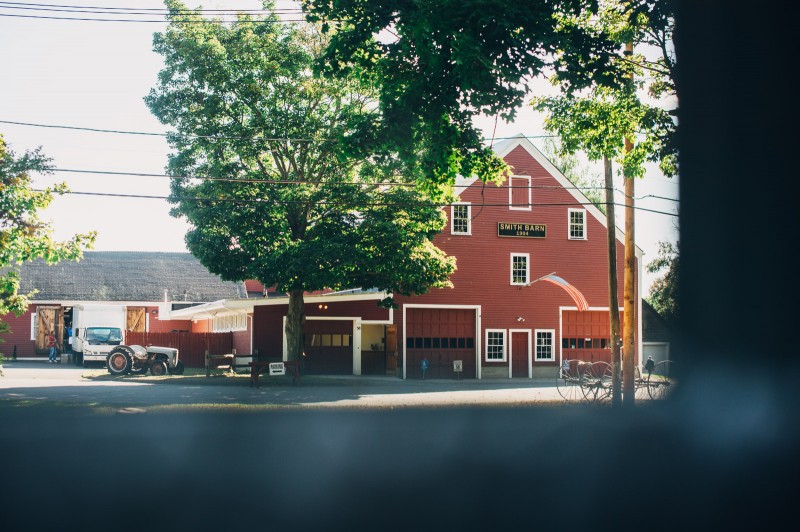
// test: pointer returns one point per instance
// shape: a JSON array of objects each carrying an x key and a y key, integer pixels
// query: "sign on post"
[
  {"x": 458, "y": 367},
  {"x": 277, "y": 368}
]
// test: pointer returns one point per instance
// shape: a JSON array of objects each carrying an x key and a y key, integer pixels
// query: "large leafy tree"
[
  {"x": 281, "y": 179},
  {"x": 23, "y": 235},
  {"x": 440, "y": 63},
  {"x": 615, "y": 124}
]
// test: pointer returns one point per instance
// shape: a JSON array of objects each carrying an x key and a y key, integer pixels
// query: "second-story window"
[
  {"x": 460, "y": 219},
  {"x": 577, "y": 224},
  {"x": 520, "y": 268}
]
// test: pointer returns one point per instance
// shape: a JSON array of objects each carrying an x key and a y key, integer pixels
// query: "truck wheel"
[
  {"x": 158, "y": 368},
  {"x": 119, "y": 361},
  {"x": 177, "y": 370}
]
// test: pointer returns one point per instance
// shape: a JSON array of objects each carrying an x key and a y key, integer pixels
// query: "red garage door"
[
  {"x": 586, "y": 335},
  {"x": 329, "y": 347},
  {"x": 440, "y": 336}
]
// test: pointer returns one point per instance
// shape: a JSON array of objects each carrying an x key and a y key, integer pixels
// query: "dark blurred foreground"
[{"x": 710, "y": 459}]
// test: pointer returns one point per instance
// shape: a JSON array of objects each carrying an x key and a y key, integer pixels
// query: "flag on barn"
[{"x": 574, "y": 293}]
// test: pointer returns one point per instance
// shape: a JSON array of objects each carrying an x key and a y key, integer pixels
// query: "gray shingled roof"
[{"x": 127, "y": 276}]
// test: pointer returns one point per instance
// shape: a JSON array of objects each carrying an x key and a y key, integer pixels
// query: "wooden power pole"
[{"x": 628, "y": 290}]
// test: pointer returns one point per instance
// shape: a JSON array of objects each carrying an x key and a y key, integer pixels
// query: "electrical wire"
[
  {"x": 378, "y": 183},
  {"x": 339, "y": 204}
]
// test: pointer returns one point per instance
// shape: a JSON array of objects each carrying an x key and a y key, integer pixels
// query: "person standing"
[{"x": 51, "y": 343}]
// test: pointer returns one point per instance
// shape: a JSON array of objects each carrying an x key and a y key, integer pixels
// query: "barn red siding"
[
  {"x": 483, "y": 258},
  {"x": 20, "y": 336},
  {"x": 241, "y": 340}
]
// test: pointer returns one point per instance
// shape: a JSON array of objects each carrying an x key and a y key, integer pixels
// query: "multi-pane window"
[
  {"x": 577, "y": 224},
  {"x": 460, "y": 219},
  {"x": 234, "y": 322},
  {"x": 495, "y": 345},
  {"x": 519, "y": 193},
  {"x": 520, "y": 268},
  {"x": 544, "y": 345}
]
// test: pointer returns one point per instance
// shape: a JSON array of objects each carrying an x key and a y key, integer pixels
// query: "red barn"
[{"x": 500, "y": 318}]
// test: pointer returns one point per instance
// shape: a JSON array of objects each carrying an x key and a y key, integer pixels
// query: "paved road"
[{"x": 43, "y": 382}]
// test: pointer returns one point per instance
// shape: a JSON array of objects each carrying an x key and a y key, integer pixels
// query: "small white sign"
[
  {"x": 277, "y": 368},
  {"x": 458, "y": 365}
]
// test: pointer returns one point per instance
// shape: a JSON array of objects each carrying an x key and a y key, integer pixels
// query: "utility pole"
[
  {"x": 628, "y": 290},
  {"x": 613, "y": 298}
]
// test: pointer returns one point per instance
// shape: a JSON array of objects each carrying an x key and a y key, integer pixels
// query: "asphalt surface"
[{"x": 41, "y": 382}]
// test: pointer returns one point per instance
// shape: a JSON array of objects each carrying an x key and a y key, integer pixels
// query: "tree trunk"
[
  {"x": 613, "y": 299},
  {"x": 629, "y": 296},
  {"x": 295, "y": 322}
]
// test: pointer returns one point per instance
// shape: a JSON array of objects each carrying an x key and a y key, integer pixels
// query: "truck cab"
[{"x": 96, "y": 342}]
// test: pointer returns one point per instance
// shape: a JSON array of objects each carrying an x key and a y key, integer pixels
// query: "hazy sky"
[{"x": 94, "y": 74}]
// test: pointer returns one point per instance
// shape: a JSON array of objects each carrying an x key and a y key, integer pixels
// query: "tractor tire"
[
  {"x": 177, "y": 370},
  {"x": 139, "y": 371},
  {"x": 158, "y": 368},
  {"x": 119, "y": 361}
]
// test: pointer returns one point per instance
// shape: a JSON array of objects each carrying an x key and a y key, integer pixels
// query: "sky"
[{"x": 95, "y": 74}]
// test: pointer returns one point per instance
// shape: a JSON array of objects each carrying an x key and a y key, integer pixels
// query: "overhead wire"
[{"x": 336, "y": 203}]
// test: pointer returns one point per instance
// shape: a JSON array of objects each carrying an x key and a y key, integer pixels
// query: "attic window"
[{"x": 519, "y": 193}]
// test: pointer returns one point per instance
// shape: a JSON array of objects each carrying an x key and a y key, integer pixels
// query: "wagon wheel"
[
  {"x": 660, "y": 381},
  {"x": 597, "y": 382},
  {"x": 641, "y": 391},
  {"x": 568, "y": 381}
]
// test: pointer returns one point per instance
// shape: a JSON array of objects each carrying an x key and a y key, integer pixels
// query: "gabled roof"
[
  {"x": 127, "y": 276},
  {"x": 506, "y": 146}
]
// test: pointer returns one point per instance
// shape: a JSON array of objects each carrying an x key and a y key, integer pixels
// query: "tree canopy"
[
  {"x": 23, "y": 235},
  {"x": 664, "y": 290},
  {"x": 438, "y": 64},
  {"x": 277, "y": 170}
]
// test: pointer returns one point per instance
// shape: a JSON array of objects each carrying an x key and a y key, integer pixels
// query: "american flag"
[{"x": 574, "y": 293}]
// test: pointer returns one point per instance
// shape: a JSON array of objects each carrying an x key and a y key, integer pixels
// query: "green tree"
[
  {"x": 440, "y": 63},
  {"x": 23, "y": 236},
  {"x": 603, "y": 121},
  {"x": 282, "y": 179},
  {"x": 664, "y": 290}
]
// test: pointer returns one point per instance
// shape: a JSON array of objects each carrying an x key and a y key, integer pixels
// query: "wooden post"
[
  {"x": 628, "y": 291},
  {"x": 208, "y": 364}
]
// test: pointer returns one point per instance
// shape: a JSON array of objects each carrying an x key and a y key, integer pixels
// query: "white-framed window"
[
  {"x": 577, "y": 224},
  {"x": 520, "y": 268},
  {"x": 461, "y": 219},
  {"x": 234, "y": 322},
  {"x": 34, "y": 326},
  {"x": 496, "y": 345},
  {"x": 519, "y": 193},
  {"x": 544, "y": 344}
]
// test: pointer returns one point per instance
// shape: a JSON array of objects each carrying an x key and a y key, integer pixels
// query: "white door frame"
[{"x": 511, "y": 353}]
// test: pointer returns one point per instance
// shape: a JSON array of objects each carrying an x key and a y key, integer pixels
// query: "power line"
[
  {"x": 46, "y": 7},
  {"x": 216, "y": 137},
  {"x": 339, "y": 204},
  {"x": 294, "y": 182}
]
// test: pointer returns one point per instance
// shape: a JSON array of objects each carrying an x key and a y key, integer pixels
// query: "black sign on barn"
[{"x": 522, "y": 230}]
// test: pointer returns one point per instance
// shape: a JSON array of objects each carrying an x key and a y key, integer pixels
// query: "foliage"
[
  {"x": 589, "y": 184},
  {"x": 23, "y": 236},
  {"x": 440, "y": 63},
  {"x": 664, "y": 290},
  {"x": 283, "y": 181},
  {"x": 598, "y": 119}
]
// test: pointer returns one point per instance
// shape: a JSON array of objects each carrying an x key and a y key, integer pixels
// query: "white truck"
[{"x": 96, "y": 330}]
